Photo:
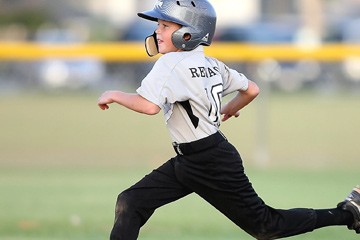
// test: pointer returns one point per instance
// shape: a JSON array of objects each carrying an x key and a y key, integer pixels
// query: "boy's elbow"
[
  {"x": 152, "y": 110},
  {"x": 147, "y": 107},
  {"x": 254, "y": 90}
]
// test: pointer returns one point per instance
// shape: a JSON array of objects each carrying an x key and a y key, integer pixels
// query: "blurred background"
[
  {"x": 63, "y": 160},
  {"x": 300, "y": 23}
]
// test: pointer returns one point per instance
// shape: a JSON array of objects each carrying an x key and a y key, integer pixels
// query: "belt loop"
[{"x": 177, "y": 148}]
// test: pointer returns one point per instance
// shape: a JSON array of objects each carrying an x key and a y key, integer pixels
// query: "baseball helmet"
[{"x": 197, "y": 17}]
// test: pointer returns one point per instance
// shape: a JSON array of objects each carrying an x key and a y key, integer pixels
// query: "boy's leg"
[
  {"x": 218, "y": 176},
  {"x": 334, "y": 216},
  {"x": 135, "y": 205}
]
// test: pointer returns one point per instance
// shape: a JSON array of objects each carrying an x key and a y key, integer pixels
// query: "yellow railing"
[{"x": 134, "y": 51}]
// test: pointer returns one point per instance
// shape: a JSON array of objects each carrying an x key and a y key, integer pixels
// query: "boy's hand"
[
  {"x": 241, "y": 99},
  {"x": 103, "y": 106},
  {"x": 227, "y": 116},
  {"x": 105, "y": 99}
]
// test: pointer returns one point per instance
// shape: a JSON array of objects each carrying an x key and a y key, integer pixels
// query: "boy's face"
[{"x": 163, "y": 35}]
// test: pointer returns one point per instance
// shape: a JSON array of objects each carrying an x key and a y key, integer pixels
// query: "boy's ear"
[{"x": 151, "y": 45}]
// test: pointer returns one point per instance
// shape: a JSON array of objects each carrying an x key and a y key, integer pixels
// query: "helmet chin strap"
[{"x": 151, "y": 45}]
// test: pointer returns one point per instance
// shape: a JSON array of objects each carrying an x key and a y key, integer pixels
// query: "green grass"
[{"x": 63, "y": 162}]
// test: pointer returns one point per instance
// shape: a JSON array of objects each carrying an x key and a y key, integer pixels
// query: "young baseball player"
[{"x": 188, "y": 86}]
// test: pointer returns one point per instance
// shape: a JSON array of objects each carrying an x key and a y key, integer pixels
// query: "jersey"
[{"x": 188, "y": 86}]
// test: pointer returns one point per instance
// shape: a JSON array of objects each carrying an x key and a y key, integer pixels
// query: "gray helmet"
[{"x": 197, "y": 17}]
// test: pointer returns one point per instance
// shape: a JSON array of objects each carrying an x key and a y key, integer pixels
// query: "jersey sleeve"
[
  {"x": 232, "y": 80},
  {"x": 163, "y": 84},
  {"x": 153, "y": 84}
]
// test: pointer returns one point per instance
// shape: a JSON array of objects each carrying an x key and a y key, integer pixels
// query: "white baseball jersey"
[{"x": 189, "y": 87}]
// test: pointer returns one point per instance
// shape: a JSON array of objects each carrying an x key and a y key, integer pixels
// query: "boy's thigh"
[
  {"x": 218, "y": 176},
  {"x": 157, "y": 188}
]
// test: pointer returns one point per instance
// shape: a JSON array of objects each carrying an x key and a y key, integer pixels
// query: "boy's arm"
[
  {"x": 134, "y": 102},
  {"x": 242, "y": 98}
]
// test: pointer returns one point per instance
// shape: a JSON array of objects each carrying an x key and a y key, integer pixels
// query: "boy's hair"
[{"x": 197, "y": 17}]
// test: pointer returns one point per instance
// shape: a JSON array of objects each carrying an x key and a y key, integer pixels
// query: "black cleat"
[{"x": 352, "y": 204}]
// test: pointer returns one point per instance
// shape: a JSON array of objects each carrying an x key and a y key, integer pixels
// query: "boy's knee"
[
  {"x": 262, "y": 233},
  {"x": 123, "y": 203},
  {"x": 263, "y": 236},
  {"x": 127, "y": 222}
]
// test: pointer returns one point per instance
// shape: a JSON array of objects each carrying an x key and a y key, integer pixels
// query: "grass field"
[{"x": 63, "y": 162}]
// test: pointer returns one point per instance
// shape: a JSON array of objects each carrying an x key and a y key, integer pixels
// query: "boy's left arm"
[
  {"x": 134, "y": 102},
  {"x": 242, "y": 98}
]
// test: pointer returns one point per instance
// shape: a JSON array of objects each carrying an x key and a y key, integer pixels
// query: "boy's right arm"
[
  {"x": 134, "y": 102},
  {"x": 242, "y": 98}
]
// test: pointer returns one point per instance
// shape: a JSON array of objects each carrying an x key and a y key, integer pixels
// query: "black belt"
[{"x": 198, "y": 145}]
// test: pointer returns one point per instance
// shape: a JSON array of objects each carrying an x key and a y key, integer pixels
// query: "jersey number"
[{"x": 214, "y": 96}]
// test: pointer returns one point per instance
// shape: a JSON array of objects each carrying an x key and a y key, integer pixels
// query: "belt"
[{"x": 198, "y": 145}]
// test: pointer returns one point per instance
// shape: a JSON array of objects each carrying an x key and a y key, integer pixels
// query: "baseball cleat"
[{"x": 352, "y": 204}]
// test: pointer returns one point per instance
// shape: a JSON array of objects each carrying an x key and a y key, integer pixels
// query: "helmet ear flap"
[
  {"x": 151, "y": 45},
  {"x": 183, "y": 38}
]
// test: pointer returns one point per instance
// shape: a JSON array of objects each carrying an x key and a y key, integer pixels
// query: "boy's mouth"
[{"x": 160, "y": 41}]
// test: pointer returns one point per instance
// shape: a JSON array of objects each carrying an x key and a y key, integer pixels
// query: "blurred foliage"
[{"x": 31, "y": 19}]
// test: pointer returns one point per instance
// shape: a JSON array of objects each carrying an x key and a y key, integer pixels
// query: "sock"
[{"x": 331, "y": 217}]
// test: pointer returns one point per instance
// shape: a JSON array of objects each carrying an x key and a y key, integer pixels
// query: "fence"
[
  {"x": 287, "y": 67},
  {"x": 134, "y": 52}
]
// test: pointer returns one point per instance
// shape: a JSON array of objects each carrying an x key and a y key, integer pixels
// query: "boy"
[{"x": 189, "y": 86}]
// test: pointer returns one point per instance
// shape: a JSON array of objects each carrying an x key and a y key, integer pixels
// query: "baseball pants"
[{"x": 217, "y": 175}]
